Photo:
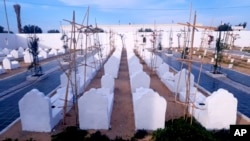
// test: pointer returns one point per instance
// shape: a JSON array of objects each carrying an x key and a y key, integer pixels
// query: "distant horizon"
[{"x": 50, "y": 15}]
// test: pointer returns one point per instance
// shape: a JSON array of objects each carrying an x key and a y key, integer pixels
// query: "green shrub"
[
  {"x": 10, "y": 139},
  {"x": 119, "y": 139},
  {"x": 71, "y": 133},
  {"x": 30, "y": 139},
  {"x": 97, "y": 136},
  {"x": 222, "y": 135},
  {"x": 176, "y": 130},
  {"x": 181, "y": 130},
  {"x": 140, "y": 134}
]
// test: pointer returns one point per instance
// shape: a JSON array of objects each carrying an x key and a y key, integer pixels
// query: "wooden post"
[
  {"x": 86, "y": 49},
  {"x": 69, "y": 72}
]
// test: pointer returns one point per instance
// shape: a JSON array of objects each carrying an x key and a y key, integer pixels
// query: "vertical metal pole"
[
  {"x": 190, "y": 65},
  {"x": 6, "y": 15},
  {"x": 86, "y": 50}
]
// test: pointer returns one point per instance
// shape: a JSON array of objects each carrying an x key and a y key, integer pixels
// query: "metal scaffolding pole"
[{"x": 6, "y": 15}]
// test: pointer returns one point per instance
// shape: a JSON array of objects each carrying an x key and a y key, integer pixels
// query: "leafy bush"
[
  {"x": 222, "y": 135},
  {"x": 30, "y": 139},
  {"x": 71, "y": 133},
  {"x": 119, "y": 139},
  {"x": 181, "y": 130},
  {"x": 140, "y": 134},
  {"x": 53, "y": 31},
  {"x": 97, "y": 136},
  {"x": 176, "y": 130},
  {"x": 10, "y": 139}
]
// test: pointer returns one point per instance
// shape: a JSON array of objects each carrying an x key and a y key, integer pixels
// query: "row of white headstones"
[{"x": 217, "y": 111}]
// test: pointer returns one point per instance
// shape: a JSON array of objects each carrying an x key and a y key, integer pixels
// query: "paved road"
[
  {"x": 7, "y": 84},
  {"x": 9, "y": 106},
  {"x": 9, "y": 98},
  {"x": 234, "y": 52},
  {"x": 10, "y": 93}
]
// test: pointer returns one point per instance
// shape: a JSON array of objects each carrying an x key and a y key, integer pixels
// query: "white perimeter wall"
[
  {"x": 131, "y": 37},
  {"x": 131, "y": 34},
  {"x": 13, "y": 41}
]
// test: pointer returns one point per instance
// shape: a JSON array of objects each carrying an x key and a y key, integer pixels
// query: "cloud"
[
  {"x": 100, "y": 3},
  {"x": 123, "y": 3},
  {"x": 235, "y": 2},
  {"x": 73, "y": 2},
  {"x": 23, "y": 5}
]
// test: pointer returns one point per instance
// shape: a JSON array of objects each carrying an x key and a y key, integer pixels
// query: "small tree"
[
  {"x": 65, "y": 40},
  {"x": 219, "y": 48},
  {"x": 244, "y": 24},
  {"x": 34, "y": 67},
  {"x": 224, "y": 27},
  {"x": 1, "y": 29},
  {"x": 98, "y": 30},
  {"x": 53, "y": 31},
  {"x": 122, "y": 38},
  {"x": 159, "y": 46},
  {"x": 148, "y": 30},
  {"x": 141, "y": 30},
  {"x": 32, "y": 29},
  {"x": 179, "y": 40}
]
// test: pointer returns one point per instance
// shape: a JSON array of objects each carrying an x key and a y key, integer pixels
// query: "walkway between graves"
[
  {"x": 174, "y": 110},
  {"x": 122, "y": 118}
]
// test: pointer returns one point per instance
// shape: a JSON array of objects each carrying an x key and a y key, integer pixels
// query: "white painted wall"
[
  {"x": 131, "y": 30},
  {"x": 13, "y": 41},
  {"x": 243, "y": 41},
  {"x": 8, "y": 41},
  {"x": 45, "y": 40}
]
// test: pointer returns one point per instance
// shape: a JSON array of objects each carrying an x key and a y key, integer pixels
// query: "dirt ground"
[{"x": 122, "y": 119}]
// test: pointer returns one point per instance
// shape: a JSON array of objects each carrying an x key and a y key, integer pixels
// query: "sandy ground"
[{"x": 122, "y": 119}]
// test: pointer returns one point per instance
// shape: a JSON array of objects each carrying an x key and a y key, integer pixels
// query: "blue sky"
[{"x": 49, "y": 14}]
